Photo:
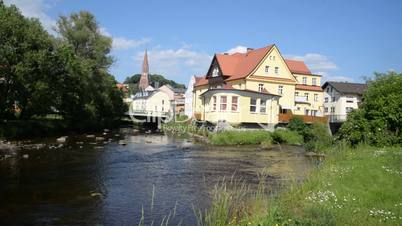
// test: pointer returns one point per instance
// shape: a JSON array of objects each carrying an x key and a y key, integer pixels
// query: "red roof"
[
  {"x": 239, "y": 65},
  {"x": 199, "y": 81},
  {"x": 311, "y": 88},
  {"x": 297, "y": 67}
]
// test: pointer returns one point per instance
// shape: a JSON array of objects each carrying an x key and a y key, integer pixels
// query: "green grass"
[
  {"x": 359, "y": 186},
  {"x": 256, "y": 137}
]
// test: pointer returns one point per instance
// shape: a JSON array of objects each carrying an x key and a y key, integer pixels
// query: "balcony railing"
[
  {"x": 301, "y": 99},
  {"x": 285, "y": 118},
  {"x": 337, "y": 118}
]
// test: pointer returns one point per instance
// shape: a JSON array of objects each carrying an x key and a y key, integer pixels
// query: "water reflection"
[{"x": 102, "y": 182}]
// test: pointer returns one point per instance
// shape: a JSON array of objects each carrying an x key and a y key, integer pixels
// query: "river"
[{"x": 89, "y": 181}]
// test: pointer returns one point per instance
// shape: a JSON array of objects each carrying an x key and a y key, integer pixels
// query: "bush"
[
  {"x": 284, "y": 136},
  {"x": 319, "y": 138},
  {"x": 296, "y": 124},
  {"x": 240, "y": 137}
]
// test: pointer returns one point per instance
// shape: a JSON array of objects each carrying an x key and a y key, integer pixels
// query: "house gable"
[{"x": 273, "y": 66}]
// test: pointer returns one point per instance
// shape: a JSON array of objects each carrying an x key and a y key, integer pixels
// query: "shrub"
[
  {"x": 284, "y": 136},
  {"x": 296, "y": 124},
  {"x": 319, "y": 138}
]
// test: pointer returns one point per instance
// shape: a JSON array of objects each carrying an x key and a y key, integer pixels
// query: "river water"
[{"x": 104, "y": 182}]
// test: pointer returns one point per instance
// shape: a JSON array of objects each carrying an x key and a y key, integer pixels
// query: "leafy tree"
[
  {"x": 379, "y": 120},
  {"x": 26, "y": 75},
  {"x": 95, "y": 92}
]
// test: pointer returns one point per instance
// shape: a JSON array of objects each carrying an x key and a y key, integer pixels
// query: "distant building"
[
  {"x": 148, "y": 100},
  {"x": 340, "y": 98},
  {"x": 176, "y": 96},
  {"x": 188, "y": 105}
]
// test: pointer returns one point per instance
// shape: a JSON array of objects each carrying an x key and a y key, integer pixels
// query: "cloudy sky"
[{"x": 342, "y": 40}]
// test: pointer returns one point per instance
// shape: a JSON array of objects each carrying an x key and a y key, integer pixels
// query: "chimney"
[{"x": 249, "y": 49}]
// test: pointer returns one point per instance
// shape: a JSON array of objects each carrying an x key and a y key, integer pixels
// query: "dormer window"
[
  {"x": 215, "y": 72},
  {"x": 266, "y": 69}
]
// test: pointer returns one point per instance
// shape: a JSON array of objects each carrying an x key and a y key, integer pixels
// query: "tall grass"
[{"x": 359, "y": 186}]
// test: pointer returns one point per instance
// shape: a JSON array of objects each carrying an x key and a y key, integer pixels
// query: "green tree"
[
  {"x": 95, "y": 91},
  {"x": 379, "y": 120},
  {"x": 26, "y": 55},
  {"x": 154, "y": 78}
]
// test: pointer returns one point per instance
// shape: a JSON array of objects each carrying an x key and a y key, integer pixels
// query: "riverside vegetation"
[
  {"x": 55, "y": 83},
  {"x": 358, "y": 183}
]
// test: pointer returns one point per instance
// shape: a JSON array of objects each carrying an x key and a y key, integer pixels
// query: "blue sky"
[{"x": 343, "y": 40}]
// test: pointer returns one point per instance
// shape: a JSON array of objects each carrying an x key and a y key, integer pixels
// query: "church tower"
[{"x": 144, "y": 80}]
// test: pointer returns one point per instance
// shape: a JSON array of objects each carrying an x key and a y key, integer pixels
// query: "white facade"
[
  {"x": 156, "y": 103},
  {"x": 337, "y": 105},
  {"x": 188, "y": 104}
]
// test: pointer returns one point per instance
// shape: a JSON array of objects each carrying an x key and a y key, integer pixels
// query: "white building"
[
  {"x": 340, "y": 98},
  {"x": 188, "y": 103}
]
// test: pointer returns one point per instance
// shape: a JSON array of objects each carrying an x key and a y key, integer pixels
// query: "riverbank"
[{"x": 358, "y": 186}]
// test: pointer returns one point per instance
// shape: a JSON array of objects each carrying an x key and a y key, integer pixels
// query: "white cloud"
[
  {"x": 122, "y": 43},
  {"x": 36, "y": 9},
  {"x": 237, "y": 49},
  {"x": 322, "y": 65},
  {"x": 178, "y": 64}
]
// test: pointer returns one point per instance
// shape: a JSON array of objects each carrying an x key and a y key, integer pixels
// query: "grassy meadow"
[{"x": 360, "y": 186}]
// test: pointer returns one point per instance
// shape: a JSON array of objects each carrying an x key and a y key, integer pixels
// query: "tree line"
[
  {"x": 66, "y": 74},
  {"x": 154, "y": 79}
]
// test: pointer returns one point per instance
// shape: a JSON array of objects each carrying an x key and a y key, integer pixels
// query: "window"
[
  {"x": 273, "y": 57},
  {"x": 214, "y": 103},
  {"x": 314, "y": 81},
  {"x": 260, "y": 87},
  {"x": 316, "y": 97},
  {"x": 327, "y": 89},
  {"x": 240, "y": 86},
  {"x": 253, "y": 105},
  {"x": 276, "y": 69},
  {"x": 326, "y": 99},
  {"x": 332, "y": 109},
  {"x": 234, "y": 103},
  {"x": 349, "y": 100},
  {"x": 215, "y": 72},
  {"x": 163, "y": 102},
  {"x": 263, "y": 106},
  {"x": 326, "y": 109},
  {"x": 280, "y": 89},
  {"x": 306, "y": 95},
  {"x": 266, "y": 69},
  {"x": 333, "y": 99},
  {"x": 223, "y": 103},
  {"x": 349, "y": 109},
  {"x": 304, "y": 80},
  {"x": 332, "y": 89},
  {"x": 297, "y": 94}
]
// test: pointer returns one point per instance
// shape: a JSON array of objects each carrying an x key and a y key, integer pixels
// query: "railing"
[
  {"x": 284, "y": 118},
  {"x": 301, "y": 99},
  {"x": 337, "y": 118}
]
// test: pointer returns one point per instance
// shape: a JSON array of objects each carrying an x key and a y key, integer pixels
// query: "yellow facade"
[{"x": 271, "y": 75}]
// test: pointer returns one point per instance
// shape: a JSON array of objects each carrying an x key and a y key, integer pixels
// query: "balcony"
[
  {"x": 285, "y": 118},
  {"x": 301, "y": 99},
  {"x": 337, "y": 118}
]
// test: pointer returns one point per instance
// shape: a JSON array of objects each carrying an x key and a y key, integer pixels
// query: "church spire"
[{"x": 144, "y": 80}]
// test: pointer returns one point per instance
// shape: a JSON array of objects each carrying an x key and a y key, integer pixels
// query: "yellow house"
[{"x": 256, "y": 87}]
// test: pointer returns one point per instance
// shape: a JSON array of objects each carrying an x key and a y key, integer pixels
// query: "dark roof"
[{"x": 347, "y": 87}]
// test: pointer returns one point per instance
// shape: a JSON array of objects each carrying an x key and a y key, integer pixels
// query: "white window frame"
[
  {"x": 253, "y": 105},
  {"x": 280, "y": 89},
  {"x": 276, "y": 70},
  {"x": 304, "y": 80},
  {"x": 260, "y": 87},
  {"x": 316, "y": 97},
  {"x": 214, "y": 100},
  {"x": 266, "y": 69},
  {"x": 215, "y": 72},
  {"x": 306, "y": 95},
  {"x": 235, "y": 104},
  {"x": 314, "y": 81},
  {"x": 221, "y": 103},
  {"x": 263, "y": 107}
]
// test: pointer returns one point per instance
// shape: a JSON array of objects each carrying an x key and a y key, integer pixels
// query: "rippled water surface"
[{"x": 102, "y": 182}]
